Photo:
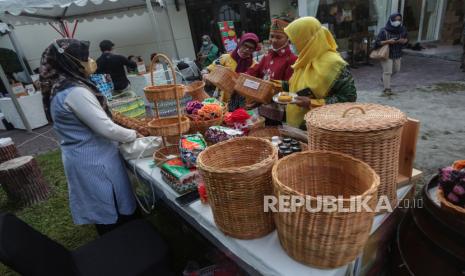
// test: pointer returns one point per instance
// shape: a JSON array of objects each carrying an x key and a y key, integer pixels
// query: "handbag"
[
  {"x": 381, "y": 53},
  {"x": 140, "y": 148}
]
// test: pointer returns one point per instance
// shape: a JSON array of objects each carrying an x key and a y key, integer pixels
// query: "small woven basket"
[
  {"x": 369, "y": 132},
  {"x": 237, "y": 175},
  {"x": 259, "y": 90},
  {"x": 320, "y": 238},
  {"x": 196, "y": 91},
  {"x": 201, "y": 126},
  {"x": 449, "y": 206},
  {"x": 161, "y": 155},
  {"x": 168, "y": 126},
  {"x": 165, "y": 92},
  {"x": 223, "y": 78}
]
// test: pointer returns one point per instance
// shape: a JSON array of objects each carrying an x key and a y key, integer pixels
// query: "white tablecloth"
[
  {"x": 32, "y": 107},
  {"x": 264, "y": 255}
]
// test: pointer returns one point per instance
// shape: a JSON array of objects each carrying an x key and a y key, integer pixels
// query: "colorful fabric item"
[
  {"x": 180, "y": 178},
  {"x": 193, "y": 107},
  {"x": 210, "y": 111},
  {"x": 275, "y": 65},
  {"x": 278, "y": 25},
  {"x": 216, "y": 134},
  {"x": 318, "y": 65},
  {"x": 103, "y": 83},
  {"x": 190, "y": 146}
]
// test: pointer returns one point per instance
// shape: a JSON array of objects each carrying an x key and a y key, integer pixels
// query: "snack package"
[
  {"x": 180, "y": 178},
  {"x": 190, "y": 146},
  {"x": 217, "y": 134}
]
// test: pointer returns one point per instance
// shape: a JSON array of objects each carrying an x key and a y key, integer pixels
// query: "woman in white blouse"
[{"x": 99, "y": 189}]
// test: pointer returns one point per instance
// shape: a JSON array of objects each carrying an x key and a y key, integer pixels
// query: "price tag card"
[
  {"x": 141, "y": 68},
  {"x": 251, "y": 84}
]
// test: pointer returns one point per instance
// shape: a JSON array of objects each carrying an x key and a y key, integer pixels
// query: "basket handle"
[
  {"x": 352, "y": 108},
  {"x": 168, "y": 61}
]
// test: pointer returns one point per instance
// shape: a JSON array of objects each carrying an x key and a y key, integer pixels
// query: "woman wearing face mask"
[
  {"x": 99, "y": 189},
  {"x": 208, "y": 52},
  {"x": 239, "y": 61},
  {"x": 321, "y": 76},
  {"x": 275, "y": 65},
  {"x": 394, "y": 35}
]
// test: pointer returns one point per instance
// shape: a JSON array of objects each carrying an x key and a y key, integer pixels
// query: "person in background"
[
  {"x": 208, "y": 52},
  {"x": 99, "y": 189},
  {"x": 393, "y": 34},
  {"x": 321, "y": 76},
  {"x": 114, "y": 65},
  {"x": 239, "y": 61},
  {"x": 275, "y": 65},
  {"x": 134, "y": 59}
]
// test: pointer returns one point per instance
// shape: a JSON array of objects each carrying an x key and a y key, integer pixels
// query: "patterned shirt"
[{"x": 395, "y": 50}]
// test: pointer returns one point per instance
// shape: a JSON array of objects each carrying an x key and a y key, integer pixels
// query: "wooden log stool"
[
  {"x": 22, "y": 180},
  {"x": 8, "y": 150}
]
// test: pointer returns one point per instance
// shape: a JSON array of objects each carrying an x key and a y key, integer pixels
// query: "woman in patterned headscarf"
[{"x": 99, "y": 189}]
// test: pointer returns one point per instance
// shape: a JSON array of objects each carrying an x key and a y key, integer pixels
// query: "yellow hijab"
[{"x": 318, "y": 64}]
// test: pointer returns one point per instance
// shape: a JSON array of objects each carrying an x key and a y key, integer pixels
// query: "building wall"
[
  {"x": 277, "y": 7},
  {"x": 132, "y": 35},
  {"x": 452, "y": 27}
]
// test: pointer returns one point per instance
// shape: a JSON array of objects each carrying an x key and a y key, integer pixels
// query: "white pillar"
[{"x": 302, "y": 6}]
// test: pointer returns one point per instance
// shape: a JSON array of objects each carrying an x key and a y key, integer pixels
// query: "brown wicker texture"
[
  {"x": 196, "y": 91},
  {"x": 317, "y": 238},
  {"x": 449, "y": 206},
  {"x": 168, "y": 126},
  {"x": 155, "y": 93},
  {"x": 263, "y": 93},
  {"x": 237, "y": 175},
  {"x": 161, "y": 155},
  {"x": 201, "y": 126},
  {"x": 369, "y": 132},
  {"x": 223, "y": 78},
  {"x": 269, "y": 132},
  {"x": 260, "y": 123}
]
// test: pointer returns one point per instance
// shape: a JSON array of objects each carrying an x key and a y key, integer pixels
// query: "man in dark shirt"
[{"x": 109, "y": 63}]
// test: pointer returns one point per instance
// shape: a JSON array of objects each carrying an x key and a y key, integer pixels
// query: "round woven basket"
[
  {"x": 195, "y": 90},
  {"x": 161, "y": 155},
  {"x": 168, "y": 126},
  {"x": 449, "y": 206},
  {"x": 237, "y": 175},
  {"x": 315, "y": 237},
  {"x": 369, "y": 132},
  {"x": 202, "y": 126},
  {"x": 165, "y": 92},
  {"x": 223, "y": 78}
]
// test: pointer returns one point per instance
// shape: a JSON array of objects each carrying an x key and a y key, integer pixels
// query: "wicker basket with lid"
[{"x": 369, "y": 132}]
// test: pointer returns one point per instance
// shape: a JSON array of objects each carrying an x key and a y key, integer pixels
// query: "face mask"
[
  {"x": 294, "y": 50},
  {"x": 282, "y": 47},
  {"x": 90, "y": 66},
  {"x": 205, "y": 43},
  {"x": 396, "y": 23}
]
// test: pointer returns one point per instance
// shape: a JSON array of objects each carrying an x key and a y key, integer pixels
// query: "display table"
[
  {"x": 32, "y": 107},
  {"x": 259, "y": 256}
]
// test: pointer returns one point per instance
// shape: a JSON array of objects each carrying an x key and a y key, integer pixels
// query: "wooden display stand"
[
  {"x": 168, "y": 126},
  {"x": 23, "y": 182},
  {"x": 408, "y": 149},
  {"x": 8, "y": 150}
]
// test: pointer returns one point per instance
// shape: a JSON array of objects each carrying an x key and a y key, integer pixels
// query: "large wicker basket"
[
  {"x": 168, "y": 126},
  {"x": 163, "y": 92},
  {"x": 237, "y": 175},
  {"x": 223, "y": 78},
  {"x": 196, "y": 91},
  {"x": 320, "y": 238},
  {"x": 449, "y": 206},
  {"x": 369, "y": 132},
  {"x": 259, "y": 90}
]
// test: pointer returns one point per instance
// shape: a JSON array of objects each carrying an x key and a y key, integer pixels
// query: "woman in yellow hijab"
[{"x": 320, "y": 75}]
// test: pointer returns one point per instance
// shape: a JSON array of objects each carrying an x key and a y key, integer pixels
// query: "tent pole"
[
  {"x": 172, "y": 33},
  {"x": 148, "y": 3},
  {"x": 20, "y": 53},
  {"x": 14, "y": 100}
]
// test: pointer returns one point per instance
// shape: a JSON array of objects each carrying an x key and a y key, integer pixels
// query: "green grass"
[{"x": 53, "y": 218}]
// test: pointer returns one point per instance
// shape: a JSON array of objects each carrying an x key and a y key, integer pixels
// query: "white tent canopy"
[{"x": 45, "y": 11}]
